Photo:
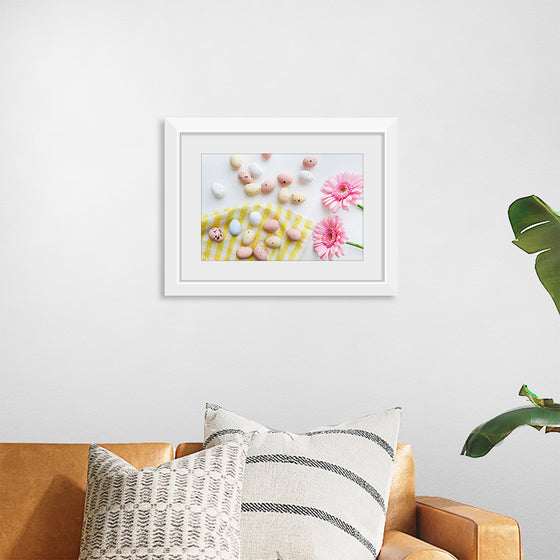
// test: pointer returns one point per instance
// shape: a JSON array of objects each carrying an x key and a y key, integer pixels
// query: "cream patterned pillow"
[
  {"x": 321, "y": 495},
  {"x": 187, "y": 509}
]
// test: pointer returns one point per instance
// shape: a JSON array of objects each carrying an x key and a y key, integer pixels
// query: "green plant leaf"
[
  {"x": 483, "y": 438},
  {"x": 536, "y": 227},
  {"x": 537, "y": 401}
]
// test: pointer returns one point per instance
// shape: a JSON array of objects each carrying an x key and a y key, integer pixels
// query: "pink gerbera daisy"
[
  {"x": 341, "y": 191},
  {"x": 329, "y": 237}
]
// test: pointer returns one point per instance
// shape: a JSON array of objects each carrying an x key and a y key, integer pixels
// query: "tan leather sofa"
[{"x": 42, "y": 491}]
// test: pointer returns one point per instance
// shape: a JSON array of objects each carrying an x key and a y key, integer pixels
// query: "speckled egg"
[
  {"x": 260, "y": 253},
  {"x": 255, "y": 169},
  {"x": 235, "y": 227},
  {"x": 267, "y": 186},
  {"x": 273, "y": 242},
  {"x": 309, "y": 162},
  {"x": 244, "y": 252},
  {"x": 244, "y": 176},
  {"x": 293, "y": 234},
  {"x": 305, "y": 176},
  {"x": 270, "y": 226},
  {"x": 218, "y": 190},
  {"x": 266, "y": 156},
  {"x": 298, "y": 197},
  {"x": 235, "y": 161},
  {"x": 216, "y": 234},
  {"x": 284, "y": 195},
  {"x": 251, "y": 189},
  {"x": 285, "y": 179},
  {"x": 248, "y": 237},
  {"x": 255, "y": 218}
]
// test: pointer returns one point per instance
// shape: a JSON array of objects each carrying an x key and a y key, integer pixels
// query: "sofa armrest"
[
  {"x": 467, "y": 532},
  {"x": 401, "y": 546}
]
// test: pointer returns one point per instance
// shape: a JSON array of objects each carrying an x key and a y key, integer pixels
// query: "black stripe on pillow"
[
  {"x": 312, "y": 512},
  {"x": 360, "y": 433},
  {"x": 315, "y": 463}
]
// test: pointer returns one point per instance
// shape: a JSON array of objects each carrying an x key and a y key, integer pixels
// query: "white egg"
[
  {"x": 218, "y": 190},
  {"x": 255, "y": 169},
  {"x": 305, "y": 176},
  {"x": 255, "y": 218}
]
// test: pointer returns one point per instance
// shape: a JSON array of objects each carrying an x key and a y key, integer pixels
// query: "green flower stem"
[
  {"x": 354, "y": 244},
  {"x": 360, "y": 206}
]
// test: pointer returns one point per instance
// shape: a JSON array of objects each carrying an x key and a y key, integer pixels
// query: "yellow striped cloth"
[{"x": 225, "y": 251}]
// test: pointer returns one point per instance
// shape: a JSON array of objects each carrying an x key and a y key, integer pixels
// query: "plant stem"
[
  {"x": 354, "y": 244},
  {"x": 360, "y": 206}
]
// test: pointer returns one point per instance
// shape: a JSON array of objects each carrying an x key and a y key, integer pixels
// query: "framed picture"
[{"x": 313, "y": 215}]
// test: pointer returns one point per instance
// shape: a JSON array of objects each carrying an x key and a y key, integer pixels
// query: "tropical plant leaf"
[
  {"x": 541, "y": 403},
  {"x": 483, "y": 438},
  {"x": 545, "y": 413},
  {"x": 536, "y": 227}
]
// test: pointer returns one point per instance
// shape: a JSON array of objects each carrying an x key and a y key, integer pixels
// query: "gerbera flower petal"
[
  {"x": 343, "y": 190},
  {"x": 329, "y": 237}
]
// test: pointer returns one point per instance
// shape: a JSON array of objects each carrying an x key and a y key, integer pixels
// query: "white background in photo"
[{"x": 216, "y": 168}]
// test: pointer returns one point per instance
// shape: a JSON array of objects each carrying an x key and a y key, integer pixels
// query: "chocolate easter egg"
[
  {"x": 244, "y": 252},
  {"x": 235, "y": 161},
  {"x": 298, "y": 197},
  {"x": 244, "y": 176},
  {"x": 251, "y": 189},
  {"x": 273, "y": 242},
  {"x": 284, "y": 195},
  {"x": 216, "y": 234},
  {"x": 255, "y": 218},
  {"x": 255, "y": 169},
  {"x": 270, "y": 226},
  {"x": 218, "y": 190},
  {"x": 234, "y": 227},
  {"x": 293, "y": 234},
  {"x": 305, "y": 176},
  {"x": 309, "y": 162},
  {"x": 248, "y": 237},
  {"x": 267, "y": 186},
  {"x": 260, "y": 253},
  {"x": 285, "y": 179}
]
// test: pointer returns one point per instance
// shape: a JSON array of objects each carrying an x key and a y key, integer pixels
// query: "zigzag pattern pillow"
[
  {"x": 321, "y": 495},
  {"x": 187, "y": 509}
]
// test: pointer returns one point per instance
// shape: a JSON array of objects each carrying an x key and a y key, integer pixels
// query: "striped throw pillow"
[
  {"x": 187, "y": 509},
  {"x": 313, "y": 496}
]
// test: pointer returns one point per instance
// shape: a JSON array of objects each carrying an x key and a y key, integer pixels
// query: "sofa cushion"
[
  {"x": 42, "y": 492},
  {"x": 186, "y": 509},
  {"x": 322, "y": 494}
]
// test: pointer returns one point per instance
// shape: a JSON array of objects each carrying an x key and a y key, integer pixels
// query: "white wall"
[{"x": 91, "y": 351}]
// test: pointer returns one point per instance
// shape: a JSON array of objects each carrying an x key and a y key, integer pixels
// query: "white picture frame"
[{"x": 186, "y": 139}]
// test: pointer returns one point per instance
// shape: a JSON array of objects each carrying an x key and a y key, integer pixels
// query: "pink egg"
[
  {"x": 244, "y": 176},
  {"x": 309, "y": 162},
  {"x": 270, "y": 226},
  {"x": 244, "y": 252},
  {"x": 293, "y": 234},
  {"x": 216, "y": 234},
  {"x": 267, "y": 186},
  {"x": 260, "y": 253},
  {"x": 285, "y": 179},
  {"x": 266, "y": 156}
]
